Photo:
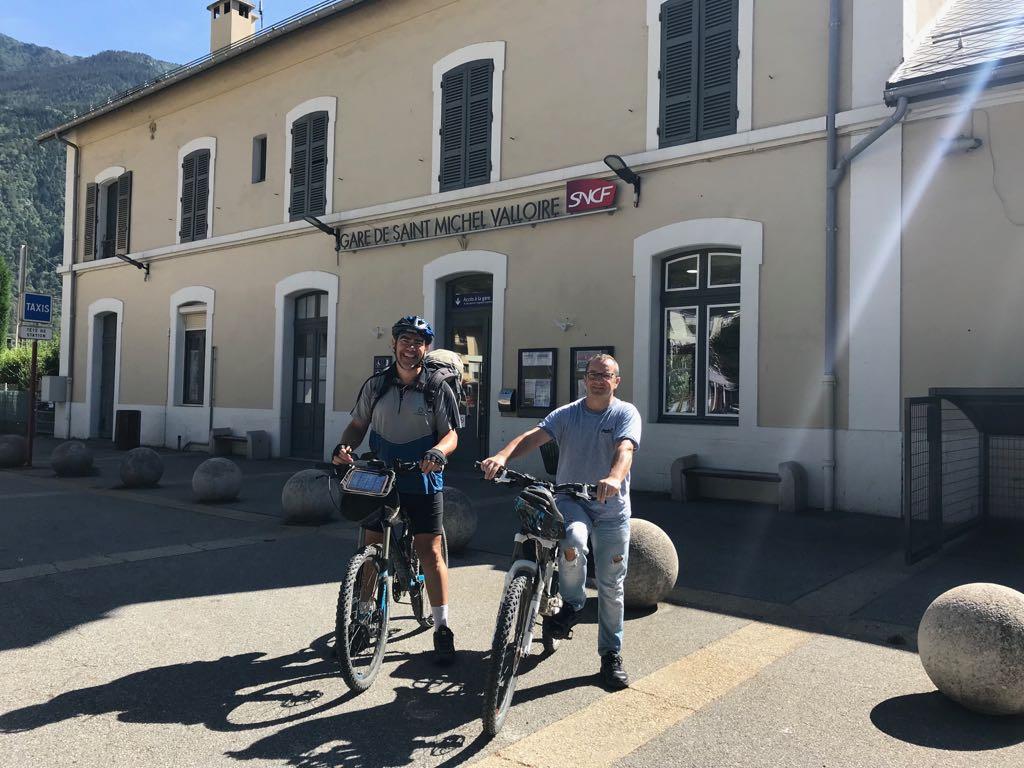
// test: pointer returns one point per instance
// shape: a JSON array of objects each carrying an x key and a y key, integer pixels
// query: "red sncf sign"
[{"x": 589, "y": 195}]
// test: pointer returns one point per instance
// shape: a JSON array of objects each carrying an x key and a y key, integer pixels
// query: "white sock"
[{"x": 440, "y": 616}]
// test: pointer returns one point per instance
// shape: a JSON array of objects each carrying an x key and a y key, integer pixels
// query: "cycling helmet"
[
  {"x": 539, "y": 513},
  {"x": 413, "y": 324}
]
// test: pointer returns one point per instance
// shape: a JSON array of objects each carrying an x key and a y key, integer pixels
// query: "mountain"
[{"x": 41, "y": 88}]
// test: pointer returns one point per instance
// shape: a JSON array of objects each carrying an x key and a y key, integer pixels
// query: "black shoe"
[
  {"x": 560, "y": 625},
  {"x": 444, "y": 646},
  {"x": 613, "y": 674}
]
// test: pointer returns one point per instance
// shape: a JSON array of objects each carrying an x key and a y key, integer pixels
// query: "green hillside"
[{"x": 41, "y": 88}]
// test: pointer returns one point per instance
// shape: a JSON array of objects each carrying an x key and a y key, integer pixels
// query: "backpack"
[{"x": 443, "y": 367}]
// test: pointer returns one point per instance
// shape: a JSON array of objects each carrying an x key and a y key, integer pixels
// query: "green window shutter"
[
  {"x": 188, "y": 197},
  {"x": 316, "y": 198},
  {"x": 300, "y": 169},
  {"x": 89, "y": 237},
  {"x": 453, "y": 128},
  {"x": 716, "y": 105},
  {"x": 679, "y": 61},
  {"x": 478, "y": 122},
  {"x": 201, "y": 219},
  {"x": 122, "y": 245}
]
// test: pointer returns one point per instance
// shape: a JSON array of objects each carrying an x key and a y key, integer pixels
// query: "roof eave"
[
  {"x": 201, "y": 65},
  {"x": 955, "y": 81}
]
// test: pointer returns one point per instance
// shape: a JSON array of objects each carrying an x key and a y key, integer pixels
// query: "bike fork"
[{"x": 526, "y": 647}]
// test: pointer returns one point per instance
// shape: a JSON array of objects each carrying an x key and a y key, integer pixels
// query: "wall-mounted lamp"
[
  {"x": 565, "y": 323},
  {"x": 327, "y": 230},
  {"x": 625, "y": 173},
  {"x": 963, "y": 144}
]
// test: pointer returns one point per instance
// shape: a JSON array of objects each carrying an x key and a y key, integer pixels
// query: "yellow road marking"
[{"x": 620, "y": 723}]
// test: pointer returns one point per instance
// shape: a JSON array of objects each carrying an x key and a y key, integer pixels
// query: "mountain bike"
[
  {"x": 377, "y": 573},
  {"x": 531, "y": 586}
]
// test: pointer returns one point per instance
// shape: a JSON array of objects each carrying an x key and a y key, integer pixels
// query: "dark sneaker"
[
  {"x": 613, "y": 674},
  {"x": 444, "y": 646},
  {"x": 560, "y": 625}
]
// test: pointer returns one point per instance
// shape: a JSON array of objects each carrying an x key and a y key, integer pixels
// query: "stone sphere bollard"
[
  {"x": 971, "y": 644},
  {"x": 459, "y": 519},
  {"x": 71, "y": 459},
  {"x": 653, "y": 565},
  {"x": 217, "y": 480},
  {"x": 13, "y": 450},
  {"x": 306, "y": 498},
  {"x": 141, "y": 467}
]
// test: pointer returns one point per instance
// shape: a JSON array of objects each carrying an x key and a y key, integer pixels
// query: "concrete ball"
[
  {"x": 141, "y": 467},
  {"x": 217, "y": 479},
  {"x": 13, "y": 450},
  {"x": 72, "y": 459},
  {"x": 971, "y": 644},
  {"x": 653, "y": 565},
  {"x": 306, "y": 498},
  {"x": 459, "y": 519}
]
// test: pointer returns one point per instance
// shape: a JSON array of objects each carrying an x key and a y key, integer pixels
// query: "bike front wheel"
[
  {"x": 361, "y": 621},
  {"x": 515, "y": 617},
  {"x": 420, "y": 600}
]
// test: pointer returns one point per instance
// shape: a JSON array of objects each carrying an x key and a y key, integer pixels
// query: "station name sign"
[{"x": 453, "y": 225}]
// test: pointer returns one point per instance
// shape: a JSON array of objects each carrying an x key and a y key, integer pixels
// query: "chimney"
[{"x": 230, "y": 21}]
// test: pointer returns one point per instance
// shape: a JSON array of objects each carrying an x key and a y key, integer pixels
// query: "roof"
[
  {"x": 312, "y": 15},
  {"x": 969, "y": 39}
]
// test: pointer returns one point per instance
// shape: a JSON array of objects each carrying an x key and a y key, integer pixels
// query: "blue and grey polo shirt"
[{"x": 403, "y": 427}]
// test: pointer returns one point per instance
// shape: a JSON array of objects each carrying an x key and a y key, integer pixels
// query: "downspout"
[
  {"x": 835, "y": 173},
  {"x": 70, "y": 308}
]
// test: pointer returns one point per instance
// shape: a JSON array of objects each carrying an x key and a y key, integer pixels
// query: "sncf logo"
[{"x": 589, "y": 195}]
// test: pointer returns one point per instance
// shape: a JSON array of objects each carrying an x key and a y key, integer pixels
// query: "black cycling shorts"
[{"x": 425, "y": 511}]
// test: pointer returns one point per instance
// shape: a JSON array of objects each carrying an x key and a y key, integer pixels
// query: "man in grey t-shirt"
[{"x": 596, "y": 438}]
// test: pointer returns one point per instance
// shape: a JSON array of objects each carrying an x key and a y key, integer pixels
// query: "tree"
[{"x": 6, "y": 280}]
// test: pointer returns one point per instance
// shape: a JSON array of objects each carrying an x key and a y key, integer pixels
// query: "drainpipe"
[
  {"x": 70, "y": 307},
  {"x": 835, "y": 173}
]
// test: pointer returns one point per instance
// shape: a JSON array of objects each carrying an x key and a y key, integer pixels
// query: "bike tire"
[
  {"x": 513, "y": 618},
  {"x": 421, "y": 601},
  {"x": 361, "y": 663}
]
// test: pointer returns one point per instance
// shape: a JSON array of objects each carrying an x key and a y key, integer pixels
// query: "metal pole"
[
  {"x": 32, "y": 401},
  {"x": 22, "y": 271}
]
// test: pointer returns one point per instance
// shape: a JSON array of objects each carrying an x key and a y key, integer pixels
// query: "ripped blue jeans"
[{"x": 609, "y": 535}]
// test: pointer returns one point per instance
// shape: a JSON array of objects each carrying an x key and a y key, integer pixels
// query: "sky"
[{"x": 177, "y": 31}]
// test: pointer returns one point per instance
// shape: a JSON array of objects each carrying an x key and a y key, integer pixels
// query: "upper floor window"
[
  {"x": 108, "y": 207},
  {"x": 700, "y": 336},
  {"x": 698, "y": 70},
  {"x": 195, "y": 196},
  {"x": 466, "y": 117},
  {"x": 309, "y": 162}
]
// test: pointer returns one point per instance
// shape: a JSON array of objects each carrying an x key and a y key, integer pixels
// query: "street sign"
[
  {"x": 36, "y": 308},
  {"x": 35, "y": 332}
]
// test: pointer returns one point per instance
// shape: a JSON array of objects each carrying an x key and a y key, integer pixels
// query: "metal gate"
[{"x": 963, "y": 462}]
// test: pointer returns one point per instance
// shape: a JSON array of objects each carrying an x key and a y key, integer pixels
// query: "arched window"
[{"x": 700, "y": 336}]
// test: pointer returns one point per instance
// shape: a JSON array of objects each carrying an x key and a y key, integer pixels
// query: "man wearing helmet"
[
  {"x": 406, "y": 424},
  {"x": 596, "y": 438}
]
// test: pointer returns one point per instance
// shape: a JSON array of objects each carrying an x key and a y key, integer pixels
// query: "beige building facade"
[{"x": 711, "y": 291}]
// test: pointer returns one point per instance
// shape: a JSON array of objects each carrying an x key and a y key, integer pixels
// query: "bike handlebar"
[{"x": 585, "y": 491}]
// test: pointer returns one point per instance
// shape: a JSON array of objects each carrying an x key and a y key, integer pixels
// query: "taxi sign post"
[{"x": 36, "y": 316}]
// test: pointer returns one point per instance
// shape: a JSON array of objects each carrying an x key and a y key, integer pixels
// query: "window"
[
  {"x": 108, "y": 217},
  {"x": 195, "y": 196},
  {"x": 466, "y": 119},
  {"x": 308, "y": 193},
  {"x": 698, "y": 70},
  {"x": 194, "y": 364},
  {"x": 259, "y": 159},
  {"x": 700, "y": 336}
]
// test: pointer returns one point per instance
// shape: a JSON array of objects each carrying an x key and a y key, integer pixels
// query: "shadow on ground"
[{"x": 932, "y": 720}]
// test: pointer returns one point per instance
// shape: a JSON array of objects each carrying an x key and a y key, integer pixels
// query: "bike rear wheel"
[
  {"x": 514, "y": 619},
  {"x": 361, "y": 621},
  {"x": 420, "y": 600}
]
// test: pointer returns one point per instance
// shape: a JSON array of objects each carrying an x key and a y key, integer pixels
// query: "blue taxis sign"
[{"x": 37, "y": 308}]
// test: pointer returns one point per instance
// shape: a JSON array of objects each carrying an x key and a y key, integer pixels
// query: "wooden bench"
[
  {"x": 791, "y": 478},
  {"x": 257, "y": 443}
]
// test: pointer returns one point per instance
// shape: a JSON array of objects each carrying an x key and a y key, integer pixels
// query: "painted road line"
[
  {"x": 35, "y": 494},
  {"x": 621, "y": 723}
]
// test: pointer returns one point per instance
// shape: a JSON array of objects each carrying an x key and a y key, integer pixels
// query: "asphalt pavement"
[{"x": 141, "y": 628}]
